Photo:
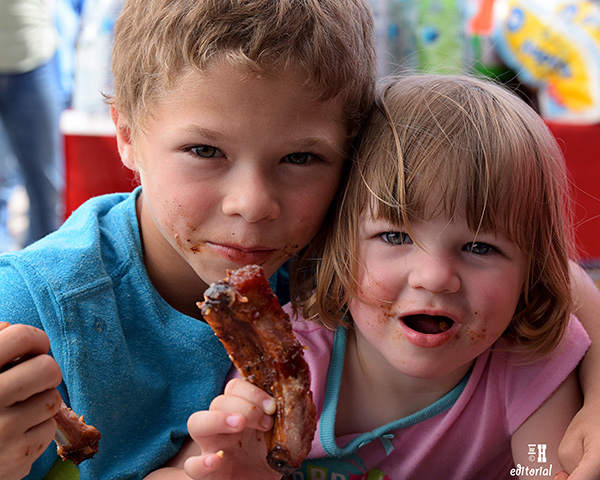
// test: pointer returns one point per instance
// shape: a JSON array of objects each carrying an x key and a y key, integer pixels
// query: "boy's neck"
[
  {"x": 384, "y": 396},
  {"x": 174, "y": 280}
]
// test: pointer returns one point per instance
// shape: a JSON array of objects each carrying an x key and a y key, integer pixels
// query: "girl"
[{"x": 440, "y": 342}]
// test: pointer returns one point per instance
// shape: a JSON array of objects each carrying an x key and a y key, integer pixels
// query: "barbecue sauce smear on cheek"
[{"x": 388, "y": 317}]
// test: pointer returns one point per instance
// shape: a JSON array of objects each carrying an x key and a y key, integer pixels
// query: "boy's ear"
[{"x": 124, "y": 142}]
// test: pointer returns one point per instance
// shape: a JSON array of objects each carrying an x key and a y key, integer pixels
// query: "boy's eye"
[
  {"x": 396, "y": 238},
  {"x": 479, "y": 248},
  {"x": 299, "y": 158},
  {"x": 205, "y": 151}
]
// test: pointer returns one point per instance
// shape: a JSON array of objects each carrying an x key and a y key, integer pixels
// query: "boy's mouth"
[
  {"x": 428, "y": 324},
  {"x": 242, "y": 255}
]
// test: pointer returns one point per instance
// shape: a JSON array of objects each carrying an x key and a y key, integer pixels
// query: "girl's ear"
[{"x": 124, "y": 142}]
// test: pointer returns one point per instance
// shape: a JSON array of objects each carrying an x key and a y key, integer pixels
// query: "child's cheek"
[{"x": 375, "y": 285}]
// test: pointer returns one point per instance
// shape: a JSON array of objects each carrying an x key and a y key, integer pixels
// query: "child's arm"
[
  {"x": 580, "y": 448},
  {"x": 228, "y": 440},
  {"x": 544, "y": 430},
  {"x": 28, "y": 398}
]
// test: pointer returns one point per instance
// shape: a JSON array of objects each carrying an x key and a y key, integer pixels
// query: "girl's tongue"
[{"x": 427, "y": 324}]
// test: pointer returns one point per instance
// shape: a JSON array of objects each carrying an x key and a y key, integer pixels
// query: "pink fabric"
[{"x": 472, "y": 438}]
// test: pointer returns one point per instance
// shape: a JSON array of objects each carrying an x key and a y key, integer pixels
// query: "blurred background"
[{"x": 548, "y": 51}]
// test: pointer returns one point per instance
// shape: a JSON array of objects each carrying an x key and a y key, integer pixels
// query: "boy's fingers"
[
  {"x": 244, "y": 389},
  {"x": 37, "y": 409},
  {"x": 588, "y": 469},
  {"x": 39, "y": 437},
  {"x": 18, "y": 341},
  {"x": 28, "y": 378},
  {"x": 31, "y": 443}
]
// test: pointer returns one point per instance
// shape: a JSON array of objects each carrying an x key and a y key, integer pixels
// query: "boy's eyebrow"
[
  {"x": 310, "y": 142},
  {"x": 302, "y": 142},
  {"x": 206, "y": 133}
]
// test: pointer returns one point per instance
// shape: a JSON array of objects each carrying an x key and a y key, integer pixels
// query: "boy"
[{"x": 237, "y": 116}]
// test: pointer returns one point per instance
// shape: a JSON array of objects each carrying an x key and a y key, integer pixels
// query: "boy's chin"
[{"x": 211, "y": 272}]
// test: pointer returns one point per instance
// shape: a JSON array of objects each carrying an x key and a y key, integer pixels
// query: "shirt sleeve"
[
  {"x": 529, "y": 384},
  {"x": 16, "y": 302}
]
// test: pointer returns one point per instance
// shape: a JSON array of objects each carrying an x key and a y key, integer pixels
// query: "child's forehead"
[
  {"x": 222, "y": 79},
  {"x": 245, "y": 74},
  {"x": 450, "y": 204},
  {"x": 229, "y": 108},
  {"x": 219, "y": 74}
]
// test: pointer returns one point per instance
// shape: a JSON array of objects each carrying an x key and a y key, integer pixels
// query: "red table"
[
  {"x": 92, "y": 163},
  {"x": 581, "y": 146}
]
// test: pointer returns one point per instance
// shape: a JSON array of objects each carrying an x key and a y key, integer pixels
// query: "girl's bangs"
[{"x": 478, "y": 162}]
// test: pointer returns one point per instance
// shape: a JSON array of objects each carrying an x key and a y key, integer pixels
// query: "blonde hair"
[
  {"x": 468, "y": 138},
  {"x": 330, "y": 41}
]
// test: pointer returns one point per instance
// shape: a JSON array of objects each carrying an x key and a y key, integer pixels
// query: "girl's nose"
[
  {"x": 434, "y": 273},
  {"x": 251, "y": 195}
]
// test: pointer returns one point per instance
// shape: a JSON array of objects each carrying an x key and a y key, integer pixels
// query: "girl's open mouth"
[{"x": 428, "y": 324}]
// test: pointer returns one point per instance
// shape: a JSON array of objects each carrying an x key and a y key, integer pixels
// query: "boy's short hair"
[
  {"x": 332, "y": 41},
  {"x": 467, "y": 138}
]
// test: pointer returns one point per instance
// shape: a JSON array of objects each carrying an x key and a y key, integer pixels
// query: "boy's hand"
[
  {"x": 28, "y": 398},
  {"x": 579, "y": 451},
  {"x": 229, "y": 438}
]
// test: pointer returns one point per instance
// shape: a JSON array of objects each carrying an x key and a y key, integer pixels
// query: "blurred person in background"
[
  {"x": 68, "y": 20},
  {"x": 31, "y": 100},
  {"x": 9, "y": 179}
]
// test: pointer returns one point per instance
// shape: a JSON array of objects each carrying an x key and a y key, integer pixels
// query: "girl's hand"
[
  {"x": 28, "y": 398},
  {"x": 229, "y": 438}
]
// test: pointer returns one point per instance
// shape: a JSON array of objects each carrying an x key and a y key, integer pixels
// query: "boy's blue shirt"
[
  {"x": 136, "y": 367},
  {"x": 280, "y": 283}
]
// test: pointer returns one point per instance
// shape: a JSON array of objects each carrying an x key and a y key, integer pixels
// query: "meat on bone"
[{"x": 247, "y": 318}]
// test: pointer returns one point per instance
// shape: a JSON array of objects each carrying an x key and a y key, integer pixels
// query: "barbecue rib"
[
  {"x": 244, "y": 313},
  {"x": 75, "y": 440}
]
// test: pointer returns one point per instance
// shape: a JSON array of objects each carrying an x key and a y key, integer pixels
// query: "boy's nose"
[
  {"x": 252, "y": 196},
  {"x": 434, "y": 273}
]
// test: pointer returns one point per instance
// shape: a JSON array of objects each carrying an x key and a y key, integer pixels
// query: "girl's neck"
[{"x": 372, "y": 396}]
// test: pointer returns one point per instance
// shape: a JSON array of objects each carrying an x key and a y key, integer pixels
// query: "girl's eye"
[
  {"x": 205, "y": 151},
  {"x": 299, "y": 158},
  {"x": 479, "y": 248},
  {"x": 396, "y": 238}
]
